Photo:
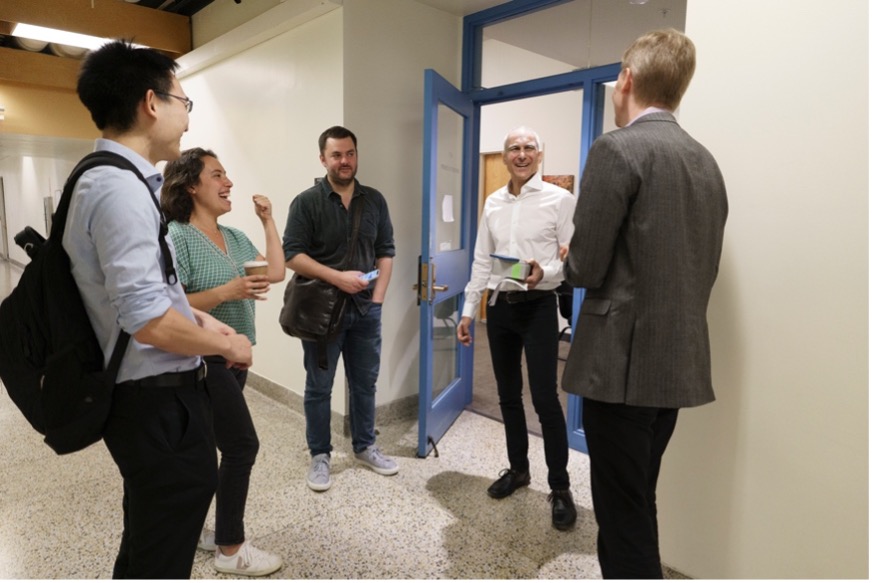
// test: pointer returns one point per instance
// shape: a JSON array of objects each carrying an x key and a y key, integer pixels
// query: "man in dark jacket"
[{"x": 648, "y": 235}]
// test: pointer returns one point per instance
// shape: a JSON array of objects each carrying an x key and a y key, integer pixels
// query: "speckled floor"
[{"x": 60, "y": 516}]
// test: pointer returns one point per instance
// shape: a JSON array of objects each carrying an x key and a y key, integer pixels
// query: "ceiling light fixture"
[
  {"x": 53, "y": 35},
  {"x": 638, "y": 2}
]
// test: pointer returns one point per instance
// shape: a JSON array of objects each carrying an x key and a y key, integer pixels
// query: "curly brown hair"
[{"x": 179, "y": 176}]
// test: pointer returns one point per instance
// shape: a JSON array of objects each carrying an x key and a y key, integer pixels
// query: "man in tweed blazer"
[{"x": 649, "y": 225}]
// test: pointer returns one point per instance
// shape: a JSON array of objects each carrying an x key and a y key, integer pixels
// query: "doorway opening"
[{"x": 557, "y": 118}]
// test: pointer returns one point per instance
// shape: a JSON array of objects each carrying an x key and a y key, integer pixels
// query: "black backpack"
[{"x": 50, "y": 360}]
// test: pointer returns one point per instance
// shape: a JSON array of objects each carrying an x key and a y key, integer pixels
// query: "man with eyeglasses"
[
  {"x": 159, "y": 430},
  {"x": 189, "y": 103},
  {"x": 527, "y": 220}
]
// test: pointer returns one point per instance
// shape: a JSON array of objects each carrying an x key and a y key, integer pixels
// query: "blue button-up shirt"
[{"x": 111, "y": 237}]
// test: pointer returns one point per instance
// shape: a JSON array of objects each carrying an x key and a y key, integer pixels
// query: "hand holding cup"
[{"x": 258, "y": 268}]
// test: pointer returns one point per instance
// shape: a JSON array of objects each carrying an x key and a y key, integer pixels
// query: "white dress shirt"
[{"x": 532, "y": 225}]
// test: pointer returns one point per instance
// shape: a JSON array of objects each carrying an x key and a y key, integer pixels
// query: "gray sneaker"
[
  {"x": 319, "y": 473},
  {"x": 207, "y": 540},
  {"x": 373, "y": 458}
]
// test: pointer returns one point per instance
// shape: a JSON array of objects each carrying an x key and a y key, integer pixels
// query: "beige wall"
[
  {"x": 263, "y": 109},
  {"x": 771, "y": 481},
  {"x": 388, "y": 45}
]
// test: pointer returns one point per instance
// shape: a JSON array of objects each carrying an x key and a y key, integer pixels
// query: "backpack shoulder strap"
[
  {"x": 106, "y": 158},
  {"x": 92, "y": 160},
  {"x": 59, "y": 222}
]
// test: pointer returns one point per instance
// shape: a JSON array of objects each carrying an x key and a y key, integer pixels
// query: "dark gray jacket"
[{"x": 649, "y": 225}]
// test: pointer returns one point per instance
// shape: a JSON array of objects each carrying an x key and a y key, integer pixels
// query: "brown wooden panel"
[
  {"x": 40, "y": 111},
  {"x": 494, "y": 175},
  {"x": 158, "y": 29},
  {"x": 38, "y": 69}
]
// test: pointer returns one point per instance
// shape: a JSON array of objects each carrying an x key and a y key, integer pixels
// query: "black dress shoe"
[
  {"x": 508, "y": 482},
  {"x": 563, "y": 509}
]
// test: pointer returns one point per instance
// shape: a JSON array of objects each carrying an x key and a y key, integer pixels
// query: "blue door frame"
[{"x": 436, "y": 416}]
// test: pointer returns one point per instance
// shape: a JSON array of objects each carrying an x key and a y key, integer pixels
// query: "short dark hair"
[
  {"x": 115, "y": 78},
  {"x": 337, "y": 133},
  {"x": 179, "y": 176}
]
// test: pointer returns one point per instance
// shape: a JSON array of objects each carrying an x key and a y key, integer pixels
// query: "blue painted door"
[{"x": 447, "y": 238}]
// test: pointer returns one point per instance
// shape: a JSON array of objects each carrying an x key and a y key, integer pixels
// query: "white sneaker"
[
  {"x": 373, "y": 458},
  {"x": 318, "y": 478},
  {"x": 249, "y": 561},
  {"x": 207, "y": 540}
]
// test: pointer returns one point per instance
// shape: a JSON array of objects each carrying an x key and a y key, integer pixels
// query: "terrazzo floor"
[{"x": 60, "y": 516}]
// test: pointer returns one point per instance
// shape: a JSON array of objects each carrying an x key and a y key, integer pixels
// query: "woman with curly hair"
[{"x": 210, "y": 261}]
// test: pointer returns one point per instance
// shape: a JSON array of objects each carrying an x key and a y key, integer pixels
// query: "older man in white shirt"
[{"x": 529, "y": 219}]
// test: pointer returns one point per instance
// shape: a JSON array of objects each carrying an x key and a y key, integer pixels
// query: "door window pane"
[
  {"x": 445, "y": 344},
  {"x": 449, "y": 179}
]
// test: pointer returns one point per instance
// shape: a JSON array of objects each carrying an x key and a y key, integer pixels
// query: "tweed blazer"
[{"x": 649, "y": 225}]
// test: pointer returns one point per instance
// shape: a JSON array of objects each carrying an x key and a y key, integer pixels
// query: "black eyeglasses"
[{"x": 189, "y": 104}]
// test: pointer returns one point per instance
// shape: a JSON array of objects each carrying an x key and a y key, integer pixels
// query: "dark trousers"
[
  {"x": 531, "y": 326},
  {"x": 625, "y": 447},
  {"x": 237, "y": 440},
  {"x": 161, "y": 440}
]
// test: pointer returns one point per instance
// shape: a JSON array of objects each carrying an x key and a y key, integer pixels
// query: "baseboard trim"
[{"x": 403, "y": 409}]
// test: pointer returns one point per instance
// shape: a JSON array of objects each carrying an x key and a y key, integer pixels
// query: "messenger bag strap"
[
  {"x": 321, "y": 343},
  {"x": 356, "y": 227}
]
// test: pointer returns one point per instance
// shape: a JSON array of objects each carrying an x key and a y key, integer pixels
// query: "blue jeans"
[{"x": 360, "y": 343}]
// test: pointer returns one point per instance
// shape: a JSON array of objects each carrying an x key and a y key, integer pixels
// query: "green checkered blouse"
[{"x": 202, "y": 265}]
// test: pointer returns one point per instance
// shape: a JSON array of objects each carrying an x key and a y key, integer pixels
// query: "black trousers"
[
  {"x": 162, "y": 442},
  {"x": 238, "y": 443},
  {"x": 625, "y": 447},
  {"x": 531, "y": 326}
]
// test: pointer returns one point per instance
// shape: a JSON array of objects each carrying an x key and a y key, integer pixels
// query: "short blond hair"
[{"x": 662, "y": 63}]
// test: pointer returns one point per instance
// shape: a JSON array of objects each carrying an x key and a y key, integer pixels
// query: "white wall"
[
  {"x": 771, "y": 481},
  {"x": 262, "y": 111},
  {"x": 388, "y": 45},
  {"x": 26, "y": 181}
]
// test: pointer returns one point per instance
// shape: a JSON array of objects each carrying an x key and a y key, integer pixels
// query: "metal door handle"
[
  {"x": 434, "y": 287},
  {"x": 427, "y": 273}
]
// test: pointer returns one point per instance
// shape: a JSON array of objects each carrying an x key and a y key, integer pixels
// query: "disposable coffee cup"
[{"x": 255, "y": 267}]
